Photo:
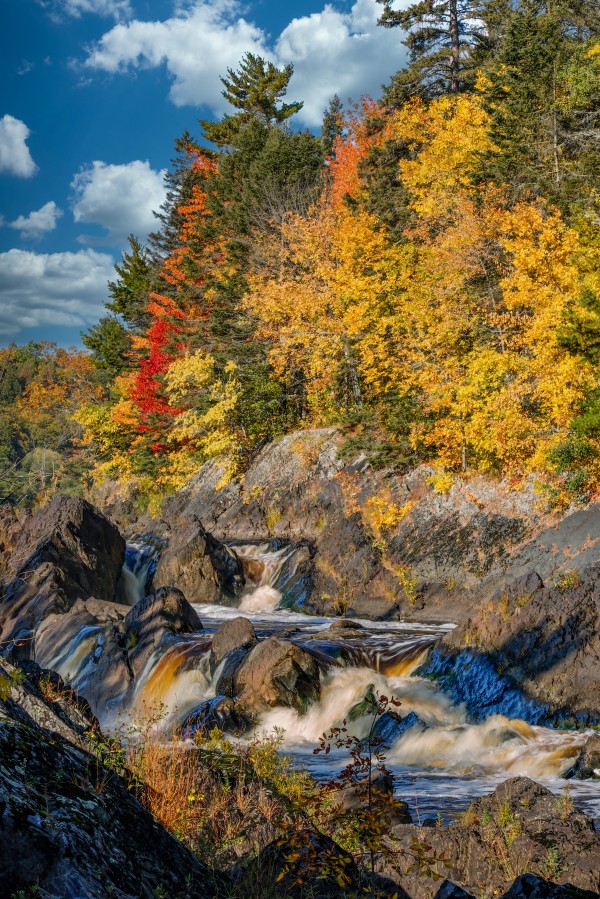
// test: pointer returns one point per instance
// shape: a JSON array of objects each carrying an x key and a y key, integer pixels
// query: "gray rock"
[
  {"x": 587, "y": 765},
  {"x": 233, "y": 634},
  {"x": 528, "y": 886},
  {"x": 277, "y": 673},
  {"x": 164, "y": 613}
]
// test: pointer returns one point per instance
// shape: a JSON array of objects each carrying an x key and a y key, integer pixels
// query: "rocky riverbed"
[{"x": 248, "y": 609}]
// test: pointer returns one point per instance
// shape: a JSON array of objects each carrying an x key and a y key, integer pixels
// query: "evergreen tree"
[
  {"x": 256, "y": 90},
  {"x": 333, "y": 124},
  {"x": 438, "y": 34},
  {"x": 544, "y": 103}
]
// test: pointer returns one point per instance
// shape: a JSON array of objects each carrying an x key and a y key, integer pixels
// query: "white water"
[{"x": 439, "y": 766}]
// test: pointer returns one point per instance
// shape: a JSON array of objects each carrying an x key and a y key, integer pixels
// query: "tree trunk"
[
  {"x": 353, "y": 375},
  {"x": 455, "y": 42}
]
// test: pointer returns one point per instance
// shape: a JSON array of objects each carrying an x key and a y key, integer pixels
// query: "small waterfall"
[
  {"x": 141, "y": 557},
  {"x": 272, "y": 575}
]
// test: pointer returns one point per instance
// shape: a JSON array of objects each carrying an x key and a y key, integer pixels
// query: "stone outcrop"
[
  {"x": 202, "y": 567},
  {"x": 68, "y": 825},
  {"x": 520, "y": 827},
  {"x": 66, "y": 551}
]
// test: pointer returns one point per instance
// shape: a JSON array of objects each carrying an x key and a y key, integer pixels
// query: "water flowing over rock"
[{"x": 163, "y": 614}]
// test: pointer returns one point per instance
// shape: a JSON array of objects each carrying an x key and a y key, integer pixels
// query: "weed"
[
  {"x": 564, "y": 803},
  {"x": 569, "y": 579}
]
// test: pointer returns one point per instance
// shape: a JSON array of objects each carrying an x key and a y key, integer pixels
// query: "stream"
[{"x": 441, "y": 763}]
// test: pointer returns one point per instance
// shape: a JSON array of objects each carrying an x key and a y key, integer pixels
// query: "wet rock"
[
  {"x": 345, "y": 624},
  {"x": 232, "y": 662},
  {"x": 67, "y": 550},
  {"x": 277, "y": 673},
  {"x": 165, "y": 613},
  {"x": 528, "y": 886},
  {"x": 69, "y": 826},
  {"x": 205, "y": 569},
  {"x": 219, "y": 712},
  {"x": 588, "y": 764},
  {"x": 390, "y": 727},
  {"x": 233, "y": 634}
]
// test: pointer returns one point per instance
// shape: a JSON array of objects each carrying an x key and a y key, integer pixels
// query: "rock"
[
  {"x": 528, "y": 886},
  {"x": 344, "y": 624},
  {"x": 71, "y": 827},
  {"x": 232, "y": 662},
  {"x": 164, "y": 613},
  {"x": 233, "y": 634},
  {"x": 520, "y": 825},
  {"x": 390, "y": 727},
  {"x": 307, "y": 857},
  {"x": 353, "y": 797},
  {"x": 67, "y": 550},
  {"x": 11, "y": 525},
  {"x": 451, "y": 891},
  {"x": 219, "y": 712},
  {"x": 205, "y": 569},
  {"x": 277, "y": 673},
  {"x": 588, "y": 763}
]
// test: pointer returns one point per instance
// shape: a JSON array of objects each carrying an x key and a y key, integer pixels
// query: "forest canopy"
[{"x": 424, "y": 273}]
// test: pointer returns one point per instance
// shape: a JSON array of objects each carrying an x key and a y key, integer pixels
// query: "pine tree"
[
  {"x": 256, "y": 90},
  {"x": 438, "y": 34},
  {"x": 333, "y": 124}
]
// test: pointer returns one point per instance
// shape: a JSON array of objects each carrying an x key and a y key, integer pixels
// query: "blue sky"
[{"x": 94, "y": 94}]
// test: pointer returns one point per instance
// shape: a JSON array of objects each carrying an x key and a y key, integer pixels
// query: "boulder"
[
  {"x": 588, "y": 763},
  {"x": 65, "y": 551},
  {"x": 528, "y": 886},
  {"x": 521, "y": 825},
  {"x": 450, "y": 890},
  {"x": 70, "y": 826},
  {"x": 163, "y": 614},
  {"x": 233, "y": 634},
  {"x": 355, "y": 796},
  {"x": 204, "y": 568},
  {"x": 219, "y": 712},
  {"x": 277, "y": 673}
]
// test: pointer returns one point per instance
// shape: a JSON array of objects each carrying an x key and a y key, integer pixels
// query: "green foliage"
[{"x": 256, "y": 89}]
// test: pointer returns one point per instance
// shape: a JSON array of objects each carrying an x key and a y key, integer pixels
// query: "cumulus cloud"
[
  {"x": 117, "y": 9},
  {"x": 15, "y": 157},
  {"x": 52, "y": 289},
  {"x": 332, "y": 52},
  {"x": 120, "y": 198},
  {"x": 197, "y": 45},
  {"x": 39, "y": 222}
]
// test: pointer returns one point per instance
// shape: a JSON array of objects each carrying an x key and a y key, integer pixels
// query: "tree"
[
  {"x": 438, "y": 33},
  {"x": 256, "y": 90},
  {"x": 333, "y": 124},
  {"x": 543, "y": 97}
]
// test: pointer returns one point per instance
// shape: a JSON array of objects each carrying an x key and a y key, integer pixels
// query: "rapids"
[{"x": 441, "y": 763}]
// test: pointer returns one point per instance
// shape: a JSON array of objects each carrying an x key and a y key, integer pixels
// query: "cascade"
[{"x": 441, "y": 762}]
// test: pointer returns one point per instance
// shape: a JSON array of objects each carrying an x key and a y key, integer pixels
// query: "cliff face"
[{"x": 381, "y": 544}]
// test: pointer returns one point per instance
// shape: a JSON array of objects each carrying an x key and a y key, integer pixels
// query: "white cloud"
[
  {"x": 15, "y": 157},
  {"x": 39, "y": 222},
  {"x": 52, "y": 289},
  {"x": 117, "y": 9},
  {"x": 120, "y": 198},
  {"x": 332, "y": 52}
]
